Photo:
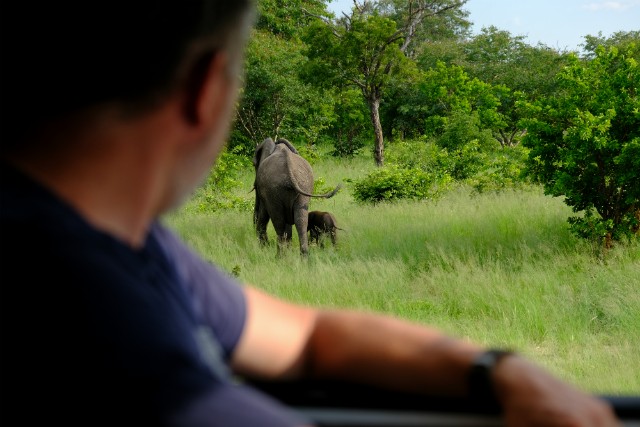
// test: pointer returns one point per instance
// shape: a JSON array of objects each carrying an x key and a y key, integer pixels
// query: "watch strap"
[{"x": 480, "y": 379}]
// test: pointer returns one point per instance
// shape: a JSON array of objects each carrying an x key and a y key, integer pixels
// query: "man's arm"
[{"x": 283, "y": 340}]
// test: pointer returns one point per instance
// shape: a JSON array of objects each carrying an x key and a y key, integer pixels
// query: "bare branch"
[
  {"x": 324, "y": 19},
  {"x": 418, "y": 14}
]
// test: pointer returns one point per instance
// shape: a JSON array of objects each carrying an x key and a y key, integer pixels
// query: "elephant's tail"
[
  {"x": 328, "y": 195},
  {"x": 331, "y": 193},
  {"x": 292, "y": 152}
]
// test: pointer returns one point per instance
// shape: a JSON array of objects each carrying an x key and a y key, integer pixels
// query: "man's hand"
[{"x": 532, "y": 397}]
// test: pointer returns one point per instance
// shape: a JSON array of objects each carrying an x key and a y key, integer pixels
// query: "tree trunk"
[{"x": 374, "y": 108}]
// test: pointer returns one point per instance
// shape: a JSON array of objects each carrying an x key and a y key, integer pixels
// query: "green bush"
[
  {"x": 392, "y": 183},
  {"x": 348, "y": 145},
  {"x": 223, "y": 176},
  {"x": 216, "y": 193},
  {"x": 464, "y": 162},
  {"x": 483, "y": 169},
  {"x": 462, "y": 128},
  {"x": 415, "y": 154},
  {"x": 308, "y": 152},
  {"x": 503, "y": 169}
]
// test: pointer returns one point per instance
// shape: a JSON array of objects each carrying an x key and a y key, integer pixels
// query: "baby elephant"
[{"x": 322, "y": 223}]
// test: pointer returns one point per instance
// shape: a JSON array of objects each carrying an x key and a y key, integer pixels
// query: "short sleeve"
[{"x": 217, "y": 298}]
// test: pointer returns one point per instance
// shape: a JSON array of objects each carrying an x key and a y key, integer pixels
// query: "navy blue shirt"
[{"x": 97, "y": 333}]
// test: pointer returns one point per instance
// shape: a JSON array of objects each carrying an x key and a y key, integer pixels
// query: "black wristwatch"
[{"x": 481, "y": 387}]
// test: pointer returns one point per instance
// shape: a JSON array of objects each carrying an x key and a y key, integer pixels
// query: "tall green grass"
[{"x": 499, "y": 269}]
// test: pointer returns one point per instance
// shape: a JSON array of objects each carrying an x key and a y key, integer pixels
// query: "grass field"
[{"x": 499, "y": 269}]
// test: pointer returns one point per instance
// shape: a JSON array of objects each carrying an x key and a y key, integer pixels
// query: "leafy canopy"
[{"x": 585, "y": 143}]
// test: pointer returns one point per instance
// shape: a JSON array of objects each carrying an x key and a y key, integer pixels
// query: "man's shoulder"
[
  {"x": 42, "y": 238},
  {"x": 24, "y": 203}
]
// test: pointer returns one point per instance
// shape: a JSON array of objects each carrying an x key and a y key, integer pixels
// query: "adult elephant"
[{"x": 284, "y": 186}]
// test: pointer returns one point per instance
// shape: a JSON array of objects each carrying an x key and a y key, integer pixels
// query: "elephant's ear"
[{"x": 264, "y": 149}]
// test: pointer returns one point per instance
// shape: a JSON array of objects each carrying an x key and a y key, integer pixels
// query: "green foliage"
[
  {"x": 218, "y": 191},
  {"x": 449, "y": 51},
  {"x": 309, "y": 152},
  {"x": 498, "y": 58},
  {"x": 274, "y": 100},
  {"x": 428, "y": 156},
  {"x": 501, "y": 170},
  {"x": 464, "y": 162},
  {"x": 482, "y": 169},
  {"x": 465, "y": 145},
  {"x": 417, "y": 154},
  {"x": 590, "y": 225},
  {"x": 442, "y": 20},
  {"x": 320, "y": 186},
  {"x": 349, "y": 146},
  {"x": 585, "y": 143},
  {"x": 404, "y": 108},
  {"x": 363, "y": 54},
  {"x": 349, "y": 132},
  {"x": 287, "y": 18},
  {"x": 620, "y": 39},
  {"x": 515, "y": 71},
  {"x": 447, "y": 91},
  {"x": 223, "y": 175},
  {"x": 391, "y": 183},
  {"x": 461, "y": 128}
]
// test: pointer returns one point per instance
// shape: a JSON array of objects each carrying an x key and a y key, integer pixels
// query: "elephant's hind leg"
[
  {"x": 283, "y": 231},
  {"x": 261, "y": 219},
  {"x": 301, "y": 219}
]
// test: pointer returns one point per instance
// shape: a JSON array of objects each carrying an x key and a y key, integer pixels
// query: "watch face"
[
  {"x": 492, "y": 357},
  {"x": 486, "y": 360}
]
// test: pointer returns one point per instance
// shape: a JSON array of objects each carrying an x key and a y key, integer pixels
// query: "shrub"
[
  {"x": 308, "y": 152},
  {"x": 348, "y": 145},
  {"x": 392, "y": 183},
  {"x": 502, "y": 170},
  {"x": 216, "y": 192},
  {"x": 462, "y": 128},
  {"x": 415, "y": 154}
]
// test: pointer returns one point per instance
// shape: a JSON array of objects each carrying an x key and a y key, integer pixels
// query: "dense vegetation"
[{"x": 486, "y": 110}]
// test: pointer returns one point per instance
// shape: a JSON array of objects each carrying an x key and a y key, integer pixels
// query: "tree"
[
  {"x": 275, "y": 102},
  {"x": 517, "y": 70},
  {"x": 287, "y": 18},
  {"x": 349, "y": 129},
  {"x": 449, "y": 90},
  {"x": 404, "y": 109},
  {"x": 585, "y": 143},
  {"x": 619, "y": 39},
  {"x": 450, "y": 23},
  {"x": 366, "y": 48}
]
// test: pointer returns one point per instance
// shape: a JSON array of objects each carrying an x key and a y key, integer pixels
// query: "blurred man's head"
[{"x": 61, "y": 57}]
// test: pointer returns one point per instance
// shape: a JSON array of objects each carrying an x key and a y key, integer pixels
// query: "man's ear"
[{"x": 206, "y": 88}]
